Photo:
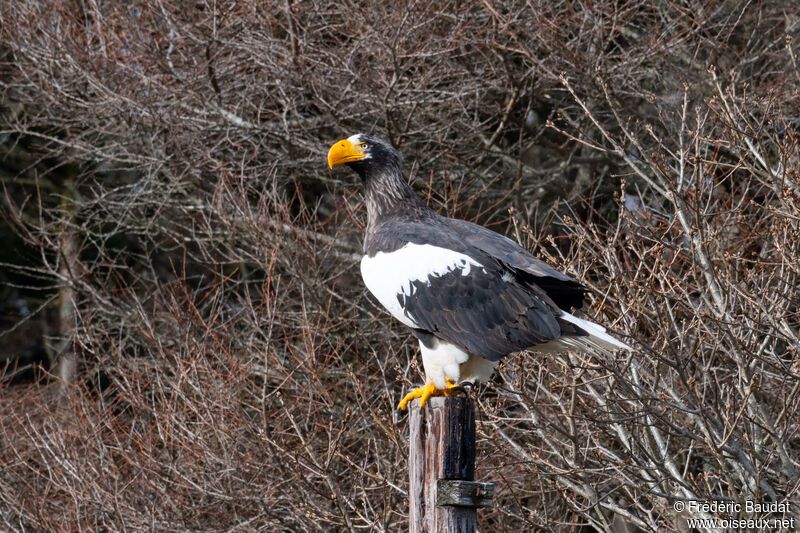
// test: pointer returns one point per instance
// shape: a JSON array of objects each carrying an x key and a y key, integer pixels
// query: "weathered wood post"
[{"x": 443, "y": 495}]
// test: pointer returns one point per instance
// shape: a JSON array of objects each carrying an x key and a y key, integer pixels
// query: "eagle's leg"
[
  {"x": 426, "y": 391},
  {"x": 452, "y": 388}
]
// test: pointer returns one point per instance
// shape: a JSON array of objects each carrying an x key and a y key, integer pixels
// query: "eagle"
[{"x": 469, "y": 295}]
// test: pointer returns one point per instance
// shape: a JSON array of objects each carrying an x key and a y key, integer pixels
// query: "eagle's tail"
[{"x": 580, "y": 335}]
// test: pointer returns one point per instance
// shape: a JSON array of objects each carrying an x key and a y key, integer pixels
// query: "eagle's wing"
[
  {"x": 562, "y": 289},
  {"x": 437, "y": 282}
]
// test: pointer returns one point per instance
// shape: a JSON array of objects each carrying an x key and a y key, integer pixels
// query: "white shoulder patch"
[{"x": 388, "y": 275}]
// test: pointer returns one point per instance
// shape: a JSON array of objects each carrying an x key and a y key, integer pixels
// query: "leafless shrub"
[{"x": 191, "y": 265}]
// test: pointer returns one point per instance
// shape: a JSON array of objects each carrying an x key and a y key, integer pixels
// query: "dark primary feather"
[
  {"x": 563, "y": 290},
  {"x": 480, "y": 312}
]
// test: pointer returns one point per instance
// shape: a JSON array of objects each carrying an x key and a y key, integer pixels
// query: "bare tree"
[{"x": 171, "y": 234}]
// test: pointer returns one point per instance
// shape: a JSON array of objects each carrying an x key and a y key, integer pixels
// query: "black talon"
[{"x": 466, "y": 386}]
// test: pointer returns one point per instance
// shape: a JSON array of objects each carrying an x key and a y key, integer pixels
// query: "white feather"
[
  {"x": 355, "y": 139},
  {"x": 442, "y": 361},
  {"x": 597, "y": 339},
  {"x": 477, "y": 369},
  {"x": 390, "y": 274},
  {"x": 446, "y": 360}
]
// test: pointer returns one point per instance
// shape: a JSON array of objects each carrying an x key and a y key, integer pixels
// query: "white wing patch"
[{"x": 388, "y": 275}]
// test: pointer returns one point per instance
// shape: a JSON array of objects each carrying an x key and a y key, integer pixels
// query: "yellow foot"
[{"x": 426, "y": 391}]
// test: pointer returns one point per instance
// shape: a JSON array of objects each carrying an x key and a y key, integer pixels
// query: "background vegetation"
[{"x": 185, "y": 342}]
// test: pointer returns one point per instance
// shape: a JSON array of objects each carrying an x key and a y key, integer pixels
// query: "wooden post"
[{"x": 443, "y": 496}]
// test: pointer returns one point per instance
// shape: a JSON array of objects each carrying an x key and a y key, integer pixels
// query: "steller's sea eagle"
[{"x": 470, "y": 295}]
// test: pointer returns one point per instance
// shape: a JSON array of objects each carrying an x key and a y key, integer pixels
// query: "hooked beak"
[{"x": 344, "y": 151}]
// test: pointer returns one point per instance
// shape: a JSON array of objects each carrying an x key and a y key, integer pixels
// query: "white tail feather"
[{"x": 597, "y": 339}]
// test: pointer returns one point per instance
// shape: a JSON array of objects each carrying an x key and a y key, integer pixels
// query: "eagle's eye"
[{"x": 364, "y": 146}]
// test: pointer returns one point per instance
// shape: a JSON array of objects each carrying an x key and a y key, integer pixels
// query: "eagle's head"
[{"x": 363, "y": 152}]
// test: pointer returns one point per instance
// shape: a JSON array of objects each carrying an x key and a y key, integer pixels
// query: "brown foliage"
[{"x": 178, "y": 240}]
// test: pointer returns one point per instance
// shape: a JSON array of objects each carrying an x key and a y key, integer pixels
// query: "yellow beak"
[{"x": 344, "y": 152}]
